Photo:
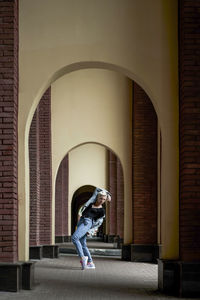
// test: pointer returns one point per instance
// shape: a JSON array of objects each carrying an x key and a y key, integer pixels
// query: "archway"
[
  {"x": 73, "y": 189},
  {"x": 120, "y": 46}
]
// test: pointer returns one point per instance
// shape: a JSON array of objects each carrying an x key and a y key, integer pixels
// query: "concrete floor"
[{"x": 63, "y": 278}]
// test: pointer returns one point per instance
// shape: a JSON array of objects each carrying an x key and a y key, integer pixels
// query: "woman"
[{"x": 92, "y": 215}]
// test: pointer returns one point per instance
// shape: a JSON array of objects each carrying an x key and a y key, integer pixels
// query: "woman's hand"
[{"x": 108, "y": 198}]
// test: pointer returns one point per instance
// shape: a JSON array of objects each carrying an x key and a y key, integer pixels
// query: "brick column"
[
  {"x": 144, "y": 169},
  {"x": 8, "y": 131},
  {"x": 116, "y": 207},
  {"x": 189, "y": 79},
  {"x": 65, "y": 174},
  {"x": 45, "y": 168},
  {"x": 120, "y": 200},
  {"x": 34, "y": 160},
  {"x": 182, "y": 277},
  {"x": 144, "y": 247},
  {"x": 61, "y": 202},
  {"x": 58, "y": 203},
  {"x": 12, "y": 273},
  {"x": 40, "y": 178},
  {"x": 112, "y": 187}
]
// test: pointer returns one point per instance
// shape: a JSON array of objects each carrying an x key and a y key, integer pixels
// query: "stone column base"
[
  {"x": 28, "y": 275},
  {"x": 62, "y": 239},
  {"x": 126, "y": 252},
  {"x": 179, "y": 278},
  {"x": 118, "y": 242},
  {"x": 67, "y": 239},
  {"x": 105, "y": 238},
  {"x": 44, "y": 251},
  {"x": 145, "y": 253},
  {"x": 16, "y": 276},
  {"x": 35, "y": 252},
  {"x": 50, "y": 251},
  {"x": 109, "y": 238},
  {"x": 141, "y": 253}
]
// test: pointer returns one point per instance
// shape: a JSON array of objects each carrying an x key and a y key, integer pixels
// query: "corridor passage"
[{"x": 62, "y": 278}]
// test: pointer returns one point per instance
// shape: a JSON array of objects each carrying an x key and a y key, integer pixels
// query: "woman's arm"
[{"x": 93, "y": 199}]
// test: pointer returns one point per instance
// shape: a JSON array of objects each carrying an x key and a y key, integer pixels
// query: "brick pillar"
[
  {"x": 45, "y": 168},
  {"x": 116, "y": 207},
  {"x": 40, "y": 179},
  {"x": 65, "y": 174},
  {"x": 189, "y": 80},
  {"x": 58, "y": 203},
  {"x": 144, "y": 169},
  {"x": 8, "y": 130},
  {"x": 120, "y": 200},
  {"x": 144, "y": 247},
  {"x": 112, "y": 187},
  {"x": 34, "y": 161},
  {"x": 182, "y": 277},
  {"x": 61, "y": 202}
]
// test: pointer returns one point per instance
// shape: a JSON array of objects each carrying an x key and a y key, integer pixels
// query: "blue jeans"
[{"x": 79, "y": 237}]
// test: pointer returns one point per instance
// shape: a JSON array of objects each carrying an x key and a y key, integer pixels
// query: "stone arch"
[
  {"x": 91, "y": 65},
  {"x": 166, "y": 138},
  {"x": 72, "y": 207},
  {"x": 89, "y": 142}
]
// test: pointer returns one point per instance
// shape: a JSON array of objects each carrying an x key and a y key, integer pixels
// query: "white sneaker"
[
  {"x": 84, "y": 262},
  {"x": 90, "y": 265}
]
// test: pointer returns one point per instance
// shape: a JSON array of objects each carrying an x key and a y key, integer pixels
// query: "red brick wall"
[
  {"x": 189, "y": 87},
  {"x": 58, "y": 203},
  {"x": 120, "y": 200},
  {"x": 112, "y": 187},
  {"x": 144, "y": 168},
  {"x": 61, "y": 200},
  {"x": 8, "y": 130},
  {"x": 40, "y": 173},
  {"x": 116, "y": 188},
  {"x": 65, "y": 173},
  {"x": 34, "y": 181},
  {"x": 45, "y": 168}
]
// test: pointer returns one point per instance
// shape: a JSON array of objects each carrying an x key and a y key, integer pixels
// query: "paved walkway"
[{"x": 62, "y": 278}]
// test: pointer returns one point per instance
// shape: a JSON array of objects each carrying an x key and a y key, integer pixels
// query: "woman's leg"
[
  {"x": 85, "y": 248},
  {"x": 83, "y": 226}
]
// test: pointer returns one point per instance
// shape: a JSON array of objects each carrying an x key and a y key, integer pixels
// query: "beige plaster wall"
[
  {"x": 87, "y": 166},
  {"x": 136, "y": 38},
  {"x": 92, "y": 105}
]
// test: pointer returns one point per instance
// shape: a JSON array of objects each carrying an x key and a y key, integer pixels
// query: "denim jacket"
[{"x": 99, "y": 221}]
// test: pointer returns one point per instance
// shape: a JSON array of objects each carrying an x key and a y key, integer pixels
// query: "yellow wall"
[
  {"x": 135, "y": 38},
  {"x": 87, "y": 166},
  {"x": 93, "y": 105}
]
